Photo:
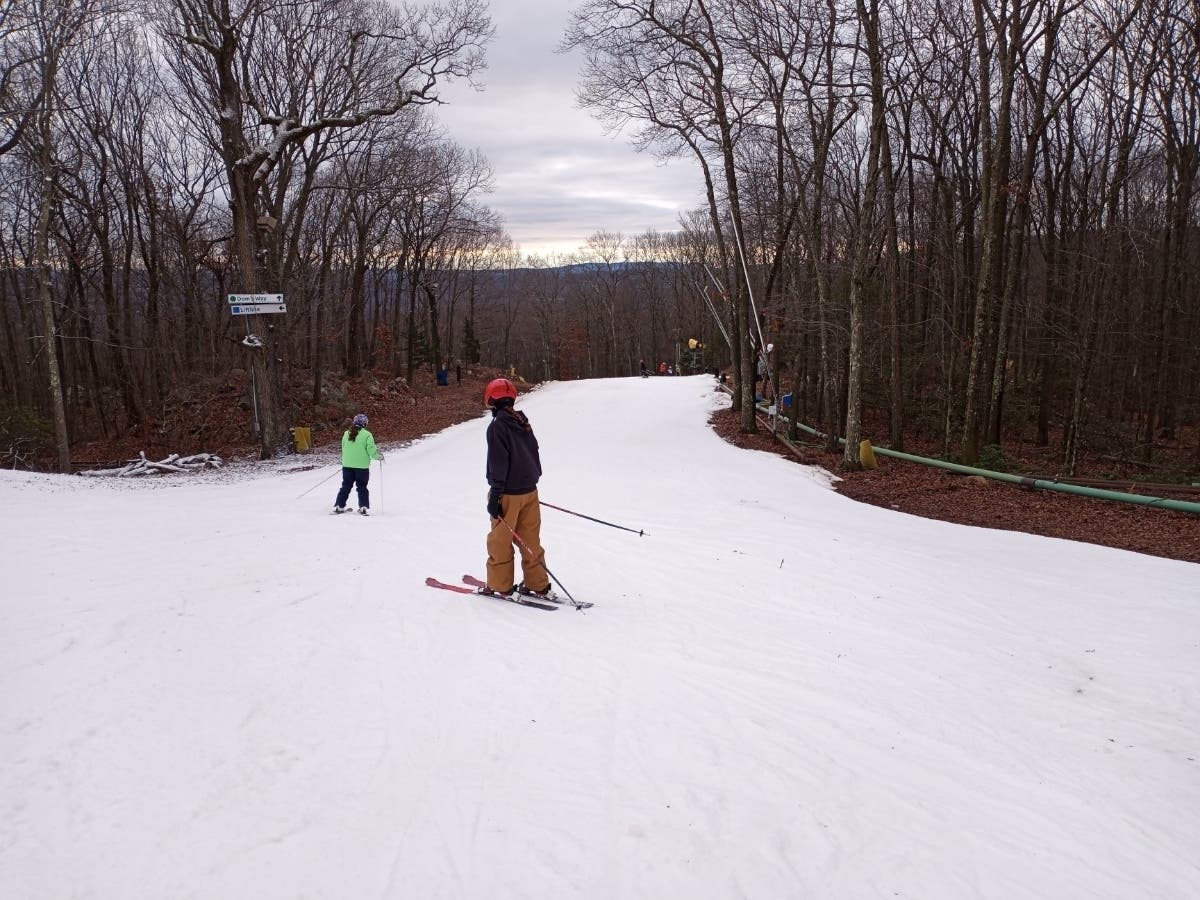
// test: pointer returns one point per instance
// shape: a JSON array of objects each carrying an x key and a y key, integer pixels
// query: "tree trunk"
[
  {"x": 865, "y": 247},
  {"x": 996, "y": 151},
  {"x": 42, "y": 264}
]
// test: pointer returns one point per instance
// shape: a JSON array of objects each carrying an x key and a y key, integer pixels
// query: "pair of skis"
[{"x": 520, "y": 599}]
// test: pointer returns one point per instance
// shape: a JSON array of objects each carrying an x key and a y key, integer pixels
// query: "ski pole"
[
  {"x": 638, "y": 531},
  {"x": 542, "y": 560},
  {"x": 319, "y": 483},
  {"x": 381, "y": 485}
]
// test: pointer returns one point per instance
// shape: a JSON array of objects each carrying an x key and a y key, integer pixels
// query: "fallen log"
[{"x": 173, "y": 464}]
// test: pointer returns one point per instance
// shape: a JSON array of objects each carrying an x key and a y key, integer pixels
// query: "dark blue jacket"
[{"x": 513, "y": 463}]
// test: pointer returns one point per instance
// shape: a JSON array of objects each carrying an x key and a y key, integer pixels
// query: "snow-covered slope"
[{"x": 212, "y": 688}]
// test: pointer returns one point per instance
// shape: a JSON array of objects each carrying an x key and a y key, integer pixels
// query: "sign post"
[{"x": 255, "y": 305}]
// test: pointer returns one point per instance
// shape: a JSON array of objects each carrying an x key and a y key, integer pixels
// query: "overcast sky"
[{"x": 558, "y": 176}]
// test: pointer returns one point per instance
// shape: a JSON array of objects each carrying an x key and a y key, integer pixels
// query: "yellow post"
[
  {"x": 303, "y": 439},
  {"x": 866, "y": 455}
]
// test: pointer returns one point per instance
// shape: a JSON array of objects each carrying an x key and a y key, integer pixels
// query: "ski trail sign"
[{"x": 256, "y": 304}]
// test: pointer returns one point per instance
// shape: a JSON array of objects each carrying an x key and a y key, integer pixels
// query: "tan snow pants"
[{"x": 524, "y": 516}]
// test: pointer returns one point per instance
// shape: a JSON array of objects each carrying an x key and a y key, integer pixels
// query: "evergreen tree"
[{"x": 470, "y": 343}]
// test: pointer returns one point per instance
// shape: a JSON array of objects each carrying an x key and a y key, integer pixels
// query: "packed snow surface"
[{"x": 210, "y": 687}]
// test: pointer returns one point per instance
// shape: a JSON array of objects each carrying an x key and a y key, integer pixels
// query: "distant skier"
[
  {"x": 642, "y": 366},
  {"x": 514, "y": 466},
  {"x": 358, "y": 449}
]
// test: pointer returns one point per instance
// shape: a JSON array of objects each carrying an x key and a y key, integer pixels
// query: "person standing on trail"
[
  {"x": 513, "y": 468},
  {"x": 358, "y": 449}
]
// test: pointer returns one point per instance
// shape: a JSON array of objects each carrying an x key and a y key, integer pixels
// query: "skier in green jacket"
[{"x": 358, "y": 449}]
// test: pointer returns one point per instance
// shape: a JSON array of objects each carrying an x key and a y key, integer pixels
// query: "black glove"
[{"x": 495, "y": 510}]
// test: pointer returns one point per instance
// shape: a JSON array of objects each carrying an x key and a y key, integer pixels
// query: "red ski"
[
  {"x": 472, "y": 580},
  {"x": 515, "y": 598}
]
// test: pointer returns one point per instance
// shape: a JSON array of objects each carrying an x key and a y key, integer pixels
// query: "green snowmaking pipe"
[{"x": 1038, "y": 483}]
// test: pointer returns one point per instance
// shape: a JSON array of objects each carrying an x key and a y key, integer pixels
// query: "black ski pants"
[{"x": 354, "y": 478}]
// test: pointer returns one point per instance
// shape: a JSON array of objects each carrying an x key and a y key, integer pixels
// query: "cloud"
[{"x": 559, "y": 177}]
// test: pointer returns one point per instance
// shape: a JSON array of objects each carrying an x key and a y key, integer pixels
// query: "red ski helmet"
[{"x": 499, "y": 389}]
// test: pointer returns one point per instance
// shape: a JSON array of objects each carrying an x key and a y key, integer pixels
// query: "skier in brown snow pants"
[{"x": 513, "y": 469}]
